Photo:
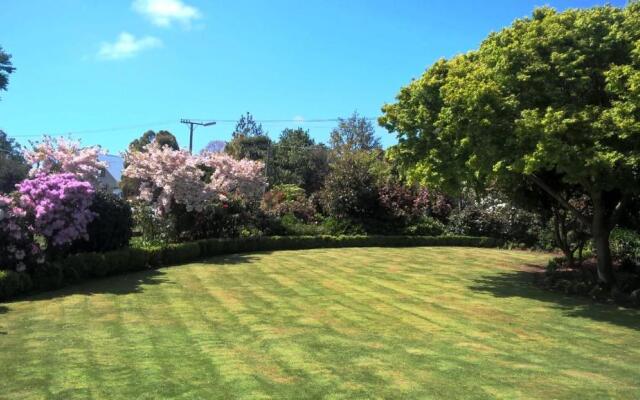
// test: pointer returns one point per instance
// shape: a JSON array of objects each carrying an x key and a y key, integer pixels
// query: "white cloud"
[
  {"x": 127, "y": 46},
  {"x": 164, "y": 12},
  {"x": 298, "y": 118}
]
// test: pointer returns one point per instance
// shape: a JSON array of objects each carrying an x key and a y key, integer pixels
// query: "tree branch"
[{"x": 563, "y": 202}]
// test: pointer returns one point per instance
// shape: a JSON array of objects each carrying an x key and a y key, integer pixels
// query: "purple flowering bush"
[
  {"x": 57, "y": 207},
  {"x": 18, "y": 250}
]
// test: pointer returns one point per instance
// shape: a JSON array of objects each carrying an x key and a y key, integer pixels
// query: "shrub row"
[{"x": 82, "y": 266}]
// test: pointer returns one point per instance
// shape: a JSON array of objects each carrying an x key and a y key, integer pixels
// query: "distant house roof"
[
  {"x": 110, "y": 178},
  {"x": 115, "y": 165}
]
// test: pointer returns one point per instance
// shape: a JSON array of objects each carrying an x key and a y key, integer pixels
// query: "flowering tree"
[
  {"x": 17, "y": 247},
  {"x": 59, "y": 155},
  {"x": 233, "y": 178},
  {"x": 169, "y": 175},
  {"x": 56, "y": 206}
]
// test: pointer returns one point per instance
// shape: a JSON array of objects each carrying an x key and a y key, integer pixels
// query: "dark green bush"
[
  {"x": 180, "y": 253},
  {"x": 425, "y": 226},
  {"x": 351, "y": 189},
  {"x": 111, "y": 229},
  {"x": 47, "y": 276},
  {"x": 292, "y": 226},
  {"x": 14, "y": 283},
  {"x": 342, "y": 226}
]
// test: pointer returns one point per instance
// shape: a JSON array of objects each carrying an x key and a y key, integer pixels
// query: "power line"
[
  {"x": 176, "y": 122},
  {"x": 294, "y": 121},
  {"x": 101, "y": 130}
]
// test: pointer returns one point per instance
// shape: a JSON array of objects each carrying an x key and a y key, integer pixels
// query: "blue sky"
[{"x": 110, "y": 70}]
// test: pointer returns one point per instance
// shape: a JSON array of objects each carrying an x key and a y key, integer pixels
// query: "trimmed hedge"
[{"x": 81, "y": 266}]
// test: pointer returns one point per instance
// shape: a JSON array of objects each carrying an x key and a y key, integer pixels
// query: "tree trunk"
[
  {"x": 561, "y": 237},
  {"x": 601, "y": 229}
]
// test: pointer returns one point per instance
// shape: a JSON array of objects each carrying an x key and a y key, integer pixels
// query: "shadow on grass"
[
  {"x": 128, "y": 283},
  {"x": 3, "y": 309},
  {"x": 522, "y": 284},
  {"x": 234, "y": 259}
]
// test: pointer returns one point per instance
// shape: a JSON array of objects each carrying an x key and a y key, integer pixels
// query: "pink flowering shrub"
[
  {"x": 18, "y": 250},
  {"x": 233, "y": 178},
  {"x": 57, "y": 207},
  {"x": 170, "y": 176},
  {"x": 60, "y": 155}
]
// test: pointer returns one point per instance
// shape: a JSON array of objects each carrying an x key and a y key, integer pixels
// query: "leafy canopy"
[
  {"x": 13, "y": 167},
  {"x": 354, "y": 134},
  {"x": 298, "y": 160},
  {"x": 554, "y": 92},
  {"x": 162, "y": 138},
  {"x": 6, "y": 68}
]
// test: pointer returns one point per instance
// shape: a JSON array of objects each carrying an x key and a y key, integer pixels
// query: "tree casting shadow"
[{"x": 521, "y": 284}]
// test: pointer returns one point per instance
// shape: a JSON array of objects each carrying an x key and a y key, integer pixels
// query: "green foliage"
[
  {"x": 354, "y": 134},
  {"x": 625, "y": 246},
  {"x": 557, "y": 92},
  {"x": 14, "y": 283},
  {"x": 13, "y": 167},
  {"x": 256, "y": 148},
  {"x": 538, "y": 95},
  {"x": 425, "y": 226},
  {"x": 180, "y": 253},
  {"x": 47, "y": 276},
  {"x": 293, "y": 226},
  {"x": 163, "y": 138},
  {"x": 6, "y": 68},
  {"x": 153, "y": 228},
  {"x": 342, "y": 226},
  {"x": 288, "y": 200},
  {"x": 554, "y": 264},
  {"x": 289, "y": 191},
  {"x": 215, "y": 220},
  {"x": 112, "y": 228},
  {"x": 298, "y": 160},
  {"x": 497, "y": 219},
  {"x": 351, "y": 188},
  {"x": 248, "y": 127}
]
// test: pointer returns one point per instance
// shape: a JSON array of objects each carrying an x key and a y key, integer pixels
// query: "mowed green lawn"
[{"x": 413, "y": 323}]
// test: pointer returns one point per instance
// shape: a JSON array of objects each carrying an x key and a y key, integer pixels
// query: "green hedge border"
[{"x": 83, "y": 266}]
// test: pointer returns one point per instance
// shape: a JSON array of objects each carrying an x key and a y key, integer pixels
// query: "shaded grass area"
[{"x": 329, "y": 323}]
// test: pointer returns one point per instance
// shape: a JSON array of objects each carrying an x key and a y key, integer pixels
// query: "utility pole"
[{"x": 191, "y": 124}]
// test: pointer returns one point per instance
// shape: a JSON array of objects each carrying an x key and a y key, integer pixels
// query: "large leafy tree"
[
  {"x": 13, "y": 167},
  {"x": 355, "y": 133},
  {"x": 6, "y": 68},
  {"x": 556, "y": 94},
  {"x": 298, "y": 160}
]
